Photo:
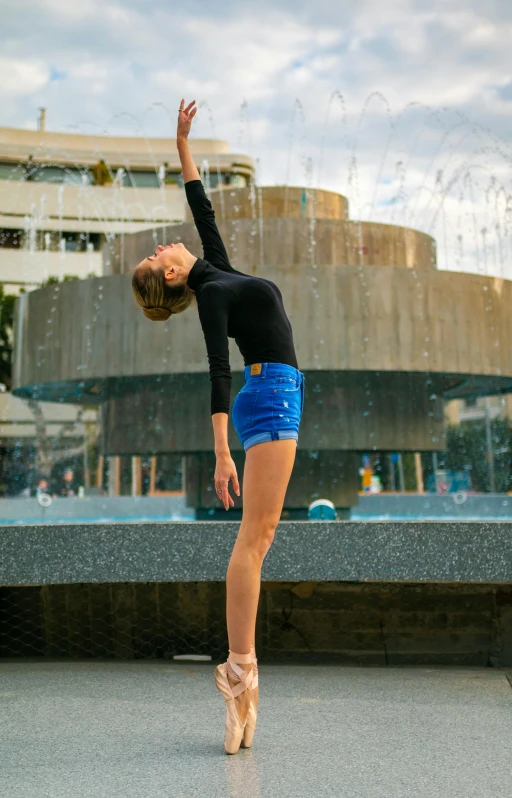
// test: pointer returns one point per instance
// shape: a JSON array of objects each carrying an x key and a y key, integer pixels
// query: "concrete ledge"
[{"x": 392, "y": 551}]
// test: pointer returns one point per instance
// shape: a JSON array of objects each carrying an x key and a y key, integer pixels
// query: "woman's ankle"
[{"x": 240, "y": 658}]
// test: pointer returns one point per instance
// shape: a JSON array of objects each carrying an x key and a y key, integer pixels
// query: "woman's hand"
[
  {"x": 225, "y": 471},
  {"x": 185, "y": 118}
]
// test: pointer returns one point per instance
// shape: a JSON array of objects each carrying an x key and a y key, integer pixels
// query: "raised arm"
[{"x": 201, "y": 207}]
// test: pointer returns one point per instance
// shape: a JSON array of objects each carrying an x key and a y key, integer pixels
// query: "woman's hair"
[{"x": 157, "y": 298}]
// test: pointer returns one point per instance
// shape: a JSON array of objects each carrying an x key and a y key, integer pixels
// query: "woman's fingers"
[
  {"x": 226, "y": 498},
  {"x": 223, "y": 494},
  {"x": 188, "y": 109},
  {"x": 234, "y": 480}
]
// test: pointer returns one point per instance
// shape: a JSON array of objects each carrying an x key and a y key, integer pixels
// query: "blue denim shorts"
[{"x": 269, "y": 406}]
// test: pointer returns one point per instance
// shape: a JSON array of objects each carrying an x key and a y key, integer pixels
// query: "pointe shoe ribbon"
[
  {"x": 246, "y": 679},
  {"x": 254, "y": 672},
  {"x": 250, "y": 726}
]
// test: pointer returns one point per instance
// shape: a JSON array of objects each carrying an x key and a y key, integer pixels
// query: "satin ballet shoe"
[
  {"x": 250, "y": 726},
  {"x": 234, "y": 726}
]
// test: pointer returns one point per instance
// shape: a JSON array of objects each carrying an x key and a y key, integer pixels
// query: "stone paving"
[{"x": 149, "y": 729}]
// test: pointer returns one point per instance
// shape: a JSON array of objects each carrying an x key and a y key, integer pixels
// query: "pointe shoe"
[
  {"x": 250, "y": 726},
  {"x": 234, "y": 726}
]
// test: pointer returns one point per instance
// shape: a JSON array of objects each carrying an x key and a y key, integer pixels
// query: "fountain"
[
  {"x": 383, "y": 333},
  {"x": 385, "y": 329}
]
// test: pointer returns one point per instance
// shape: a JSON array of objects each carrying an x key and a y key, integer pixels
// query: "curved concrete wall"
[
  {"x": 345, "y": 412},
  {"x": 286, "y": 243},
  {"x": 352, "y": 319},
  {"x": 351, "y": 243},
  {"x": 275, "y": 202}
]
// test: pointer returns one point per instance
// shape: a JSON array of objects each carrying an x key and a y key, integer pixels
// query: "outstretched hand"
[{"x": 185, "y": 118}]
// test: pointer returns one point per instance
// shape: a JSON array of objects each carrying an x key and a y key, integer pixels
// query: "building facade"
[
  {"x": 65, "y": 201},
  {"x": 63, "y": 196}
]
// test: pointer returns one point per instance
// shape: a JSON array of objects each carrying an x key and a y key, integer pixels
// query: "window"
[
  {"x": 50, "y": 241},
  {"x": 141, "y": 179},
  {"x": 11, "y": 171},
  {"x": 174, "y": 179},
  {"x": 81, "y": 242},
  {"x": 43, "y": 173},
  {"x": 238, "y": 181},
  {"x": 11, "y": 239}
]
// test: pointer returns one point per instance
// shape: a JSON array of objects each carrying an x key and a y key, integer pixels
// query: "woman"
[{"x": 266, "y": 413}]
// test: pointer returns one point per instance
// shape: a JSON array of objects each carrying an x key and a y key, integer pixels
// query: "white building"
[{"x": 63, "y": 194}]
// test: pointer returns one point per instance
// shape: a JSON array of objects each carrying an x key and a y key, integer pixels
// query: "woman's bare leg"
[{"x": 268, "y": 467}]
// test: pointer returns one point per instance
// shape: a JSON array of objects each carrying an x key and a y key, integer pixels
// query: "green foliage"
[
  {"x": 6, "y": 322},
  {"x": 467, "y": 445},
  {"x": 52, "y": 280},
  {"x": 466, "y": 449},
  {"x": 409, "y": 466}
]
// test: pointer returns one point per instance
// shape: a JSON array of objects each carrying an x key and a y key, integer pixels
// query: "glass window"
[
  {"x": 12, "y": 239},
  {"x": 11, "y": 171},
  {"x": 238, "y": 181},
  {"x": 218, "y": 179},
  {"x": 141, "y": 179},
  {"x": 174, "y": 179},
  {"x": 59, "y": 174}
]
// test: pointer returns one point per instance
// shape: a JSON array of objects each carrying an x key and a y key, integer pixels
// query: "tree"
[
  {"x": 466, "y": 445},
  {"x": 55, "y": 280},
  {"x": 48, "y": 451},
  {"x": 6, "y": 322}
]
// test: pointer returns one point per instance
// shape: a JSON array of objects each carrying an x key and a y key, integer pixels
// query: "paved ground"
[{"x": 154, "y": 729}]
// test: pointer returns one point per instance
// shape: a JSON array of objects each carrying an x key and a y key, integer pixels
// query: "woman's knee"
[{"x": 258, "y": 536}]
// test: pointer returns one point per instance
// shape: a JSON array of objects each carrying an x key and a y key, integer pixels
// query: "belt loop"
[{"x": 264, "y": 367}]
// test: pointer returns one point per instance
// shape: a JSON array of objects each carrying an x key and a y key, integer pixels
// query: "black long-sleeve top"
[{"x": 235, "y": 305}]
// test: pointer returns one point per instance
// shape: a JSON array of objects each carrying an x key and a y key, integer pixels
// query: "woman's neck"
[{"x": 188, "y": 261}]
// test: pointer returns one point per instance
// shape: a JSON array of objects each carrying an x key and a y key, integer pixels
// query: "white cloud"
[
  {"x": 22, "y": 76},
  {"x": 263, "y": 74}
]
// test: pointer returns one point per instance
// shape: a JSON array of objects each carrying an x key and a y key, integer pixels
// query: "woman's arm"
[
  {"x": 185, "y": 118},
  {"x": 213, "y": 307},
  {"x": 225, "y": 468},
  {"x": 201, "y": 207}
]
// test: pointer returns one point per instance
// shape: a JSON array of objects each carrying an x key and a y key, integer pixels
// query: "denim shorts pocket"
[{"x": 244, "y": 409}]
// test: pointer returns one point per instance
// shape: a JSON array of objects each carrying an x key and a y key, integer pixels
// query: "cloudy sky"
[{"x": 405, "y": 107}]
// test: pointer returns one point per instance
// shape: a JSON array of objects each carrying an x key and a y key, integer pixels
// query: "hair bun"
[{"x": 156, "y": 314}]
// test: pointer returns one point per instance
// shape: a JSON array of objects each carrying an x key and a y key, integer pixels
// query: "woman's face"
[
  {"x": 168, "y": 258},
  {"x": 163, "y": 257},
  {"x": 171, "y": 259}
]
